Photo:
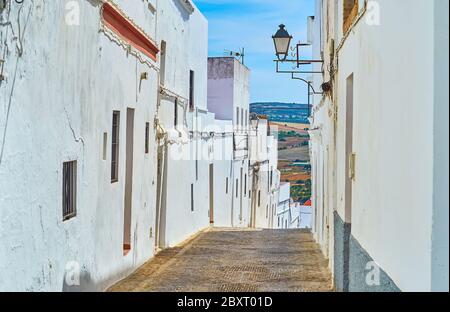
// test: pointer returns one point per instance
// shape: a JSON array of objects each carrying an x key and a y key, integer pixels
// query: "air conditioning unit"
[{"x": 187, "y": 4}]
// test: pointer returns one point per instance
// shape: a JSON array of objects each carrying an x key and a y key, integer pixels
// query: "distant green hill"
[{"x": 282, "y": 112}]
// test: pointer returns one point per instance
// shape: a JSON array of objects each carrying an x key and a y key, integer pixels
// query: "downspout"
[
  {"x": 161, "y": 135},
  {"x": 160, "y": 195},
  {"x": 253, "y": 200},
  {"x": 232, "y": 190},
  {"x": 163, "y": 148}
]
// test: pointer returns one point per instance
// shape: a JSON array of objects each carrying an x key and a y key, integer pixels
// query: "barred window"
[
  {"x": 115, "y": 147},
  {"x": 69, "y": 190},
  {"x": 191, "y": 90}
]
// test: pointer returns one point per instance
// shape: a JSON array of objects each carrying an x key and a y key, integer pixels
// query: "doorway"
[
  {"x": 349, "y": 150},
  {"x": 160, "y": 199},
  {"x": 327, "y": 205},
  {"x": 349, "y": 165},
  {"x": 128, "y": 200}
]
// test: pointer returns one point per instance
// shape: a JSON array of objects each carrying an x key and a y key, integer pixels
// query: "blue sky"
[{"x": 234, "y": 24}]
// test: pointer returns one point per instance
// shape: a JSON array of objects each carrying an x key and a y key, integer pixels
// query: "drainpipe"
[
  {"x": 161, "y": 154},
  {"x": 255, "y": 181},
  {"x": 163, "y": 148},
  {"x": 232, "y": 190}
]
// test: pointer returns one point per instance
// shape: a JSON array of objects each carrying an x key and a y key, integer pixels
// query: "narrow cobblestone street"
[{"x": 232, "y": 260}]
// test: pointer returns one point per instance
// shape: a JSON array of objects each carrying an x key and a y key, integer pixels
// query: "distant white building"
[
  {"x": 302, "y": 213},
  {"x": 283, "y": 213},
  {"x": 264, "y": 175},
  {"x": 229, "y": 100},
  {"x": 245, "y": 166},
  {"x": 292, "y": 215}
]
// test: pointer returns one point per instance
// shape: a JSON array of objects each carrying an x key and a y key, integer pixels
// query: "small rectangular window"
[
  {"x": 196, "y": 169},
  {"x": 115, "y": 147},
  {"x": 259, "y": 198},
  {"x": 192, "y": 197},
  {"x": 226, "y": 186},
  {"x": 175, "y": 115},
  {"x": 237, "y": 117},
  {"x": 147, "y": 137},
  {"x": 191, "y": 90},
  {"x": 105, "y": 145},
  {"x": 237, "y": 188},
  {"x": 69, "y": 190}
]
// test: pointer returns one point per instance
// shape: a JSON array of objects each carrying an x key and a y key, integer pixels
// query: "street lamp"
[
  {"x": 254, "y": 120},
  {"x": 282, "y": 41}
]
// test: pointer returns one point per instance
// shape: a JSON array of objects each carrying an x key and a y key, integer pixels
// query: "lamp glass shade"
[
  {"x": 282, "y": 42},
  {"x": 254, "y": 120}
]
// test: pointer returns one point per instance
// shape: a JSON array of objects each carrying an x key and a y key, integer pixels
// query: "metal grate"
[
  {"x": 115, "y": 147},
  {"x": 191, "y": 90},
  {"x": 69, "y": 190}
]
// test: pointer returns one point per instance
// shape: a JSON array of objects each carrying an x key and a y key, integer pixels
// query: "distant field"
[
  {"x": 282, "y": 112},
  {"x": 285, "y": 126},
  {"x": 291, "y": 138},
  {"x": 293, "y": 154},
  {"x": 290, "y": 142},
  {"x": 294, "y": 178}
]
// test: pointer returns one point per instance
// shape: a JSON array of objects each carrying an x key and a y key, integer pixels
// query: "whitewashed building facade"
[
  {"x": 246, "y": 159},
  {"x": 380, "y": 143},
  {"x": 76, "y": 100},
  {"x": 182, "y": 116},
  {"x": 110, "y": 150},
  {"x": 284, "y": 214},
  {"x": 229, "y": 100},
  {"x": 265, "y": 176}
]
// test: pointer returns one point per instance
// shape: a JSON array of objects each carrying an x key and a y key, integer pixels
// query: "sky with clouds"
[{"x": 234, "y": 24}]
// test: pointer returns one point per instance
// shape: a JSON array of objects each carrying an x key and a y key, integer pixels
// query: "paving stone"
[{"x": 231, "y": 260}]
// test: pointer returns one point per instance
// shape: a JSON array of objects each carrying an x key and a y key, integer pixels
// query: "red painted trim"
[{"x": 127, "y": 31}]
